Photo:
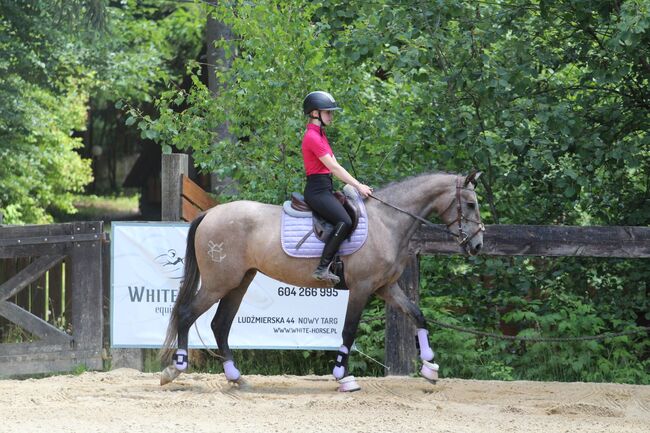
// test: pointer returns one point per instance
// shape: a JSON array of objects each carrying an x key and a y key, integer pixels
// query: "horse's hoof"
[
  {"x": 168, "y": 375},
  {"x": 348, "y": 384},
  {"x": 430, "y": 371},
  {"x": 236, "y": 381}
]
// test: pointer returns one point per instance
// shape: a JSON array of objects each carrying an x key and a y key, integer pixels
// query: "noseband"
[{"x": 462, "y": 237}]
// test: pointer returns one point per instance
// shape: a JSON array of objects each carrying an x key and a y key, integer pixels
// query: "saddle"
[{"x": 322, "y": 228}]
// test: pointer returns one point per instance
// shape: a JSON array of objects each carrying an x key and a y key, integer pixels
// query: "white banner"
[{"x": 146, "y": 269}]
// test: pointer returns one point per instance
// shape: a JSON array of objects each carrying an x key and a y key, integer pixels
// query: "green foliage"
[
  {"x": 538, "y": 298},
  {"x": 40, "y": 169},
  {"x": 42, "y": 102},
  {"x": 53, "y": 57}
]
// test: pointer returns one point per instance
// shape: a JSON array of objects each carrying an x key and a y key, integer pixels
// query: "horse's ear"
[{"x": 473, "y": 178}]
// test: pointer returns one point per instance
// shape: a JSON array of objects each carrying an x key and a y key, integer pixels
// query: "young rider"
[{"x": 320, "y": 165}]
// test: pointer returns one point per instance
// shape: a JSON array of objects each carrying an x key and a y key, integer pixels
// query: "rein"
[{"x": 462, "y": 237}]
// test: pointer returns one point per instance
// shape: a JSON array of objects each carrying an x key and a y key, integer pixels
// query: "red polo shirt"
[{"x": 315, "y": 145}]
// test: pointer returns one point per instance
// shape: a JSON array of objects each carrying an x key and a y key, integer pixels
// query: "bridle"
[{"x": 462, "y": 237}]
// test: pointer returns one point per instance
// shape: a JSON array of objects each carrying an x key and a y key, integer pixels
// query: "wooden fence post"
[
  {"x": 86, "y": 293},
  {"x": 173, "y": 166},
  {"x": 399, "y": 341}
]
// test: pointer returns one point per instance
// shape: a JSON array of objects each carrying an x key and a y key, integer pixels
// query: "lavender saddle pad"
[{"x": 296, "y": 224}]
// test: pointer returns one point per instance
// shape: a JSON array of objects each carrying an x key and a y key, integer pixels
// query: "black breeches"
[{"x": 319, "y": 196}]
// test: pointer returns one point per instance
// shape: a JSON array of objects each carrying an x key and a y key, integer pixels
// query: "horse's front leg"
[
  {"x": 394, "y": 295},
  {"x": 356, "y": 303}
]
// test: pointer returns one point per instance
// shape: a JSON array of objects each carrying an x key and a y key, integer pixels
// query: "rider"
[{"x": 320, "y": 164}]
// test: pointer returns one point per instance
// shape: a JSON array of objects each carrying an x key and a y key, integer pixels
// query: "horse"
[{"x": 248, "y": 236}]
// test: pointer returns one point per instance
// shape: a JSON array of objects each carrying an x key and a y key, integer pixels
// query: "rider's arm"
[{"x": 342, "y": 174}]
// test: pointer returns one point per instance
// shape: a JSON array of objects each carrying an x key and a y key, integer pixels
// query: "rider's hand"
[{"x": 364, "y": 190}]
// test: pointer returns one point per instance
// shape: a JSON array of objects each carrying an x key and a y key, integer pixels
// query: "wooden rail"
[
  {"x": 504, "y": 240},
  {"x": 553, "y": 241},
  {"x": 194, "y": 199}
]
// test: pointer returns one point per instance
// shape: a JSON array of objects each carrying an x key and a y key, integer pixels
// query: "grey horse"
[{"x": 248, "y": 236}]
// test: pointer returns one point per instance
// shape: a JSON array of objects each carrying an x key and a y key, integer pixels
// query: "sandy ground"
[{"x": 129, "y": 401}]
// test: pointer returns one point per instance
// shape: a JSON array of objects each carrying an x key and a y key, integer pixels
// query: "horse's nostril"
[{"x": 478, "y": 247}]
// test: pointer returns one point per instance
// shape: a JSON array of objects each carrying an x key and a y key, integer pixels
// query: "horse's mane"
[{"x": 406, "y": 180}]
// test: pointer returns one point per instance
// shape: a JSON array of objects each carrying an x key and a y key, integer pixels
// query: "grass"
[
  {"x": 103, "y": 208},
  {"x": 94, "y": 206}
]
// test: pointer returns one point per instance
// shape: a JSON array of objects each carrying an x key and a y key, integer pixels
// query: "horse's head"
[{"x": 462, "y": 215}]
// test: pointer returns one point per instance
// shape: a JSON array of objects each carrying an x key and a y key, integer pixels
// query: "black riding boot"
[{"x": 322, "y": 272}]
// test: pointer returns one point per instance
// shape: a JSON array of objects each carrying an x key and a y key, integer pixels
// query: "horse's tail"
[{"x": 186, "y": 293}]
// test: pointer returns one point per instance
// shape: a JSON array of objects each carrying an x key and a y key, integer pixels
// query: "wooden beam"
[
  {"x": 525, "y": 240},
  {"x": 28, "y": 275},
  {"x": 173, "y": 166},
  {"x": 190, "y": 212},
  {"x": 399, "y": 339},
  {"x": 30, "y": 358},
  {"x": 33, "y": 324},
  {"x": 196, "y": 195},
  {"x": 85, "y": 291}
]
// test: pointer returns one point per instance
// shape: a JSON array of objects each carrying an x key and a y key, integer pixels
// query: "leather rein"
[{"x": 462, "y": 237}]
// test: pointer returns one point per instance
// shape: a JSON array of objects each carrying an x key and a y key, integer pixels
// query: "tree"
[
  {"x": 63, "y": 66},
  {"x": 43, "y": 94}
]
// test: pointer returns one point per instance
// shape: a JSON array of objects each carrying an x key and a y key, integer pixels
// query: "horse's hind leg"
[
  {"x": 187, "y": 315},
  {"x": 356, "y": 303},
  {"x": 394, "y": 296},
  {"x": 222, "y": 321}
]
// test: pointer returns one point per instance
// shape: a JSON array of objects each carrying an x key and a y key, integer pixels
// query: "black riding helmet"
[{"x": 319, "y": 100}]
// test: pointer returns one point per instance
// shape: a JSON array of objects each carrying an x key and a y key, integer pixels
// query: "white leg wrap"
[
  {"x": 181, "y": 360},
  {"x": 426, "y": 354},
  {"x": 339, "y": 369},
  {"x": 231, "y": 372}
]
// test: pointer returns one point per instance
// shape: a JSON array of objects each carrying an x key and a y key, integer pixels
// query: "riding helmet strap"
[{"x": 320, "y": 119}]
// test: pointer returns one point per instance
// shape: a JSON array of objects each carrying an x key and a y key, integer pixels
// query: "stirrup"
[{"x": 325, "y": 274}]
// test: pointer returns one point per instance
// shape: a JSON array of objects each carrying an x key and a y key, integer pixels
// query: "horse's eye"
[{"x": 471, "y": 205}]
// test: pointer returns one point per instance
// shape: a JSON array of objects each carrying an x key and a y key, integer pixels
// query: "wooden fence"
[
  {"x": 499, "y": 240},
  {"x": 504, "y": 240},
  {"x": 51, "y": 290}
]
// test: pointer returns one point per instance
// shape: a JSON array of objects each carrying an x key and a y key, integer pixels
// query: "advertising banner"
[{"x": 147, "y": 267}]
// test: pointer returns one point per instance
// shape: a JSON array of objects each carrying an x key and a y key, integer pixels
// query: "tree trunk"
[{"x": 217, "y": 61}]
